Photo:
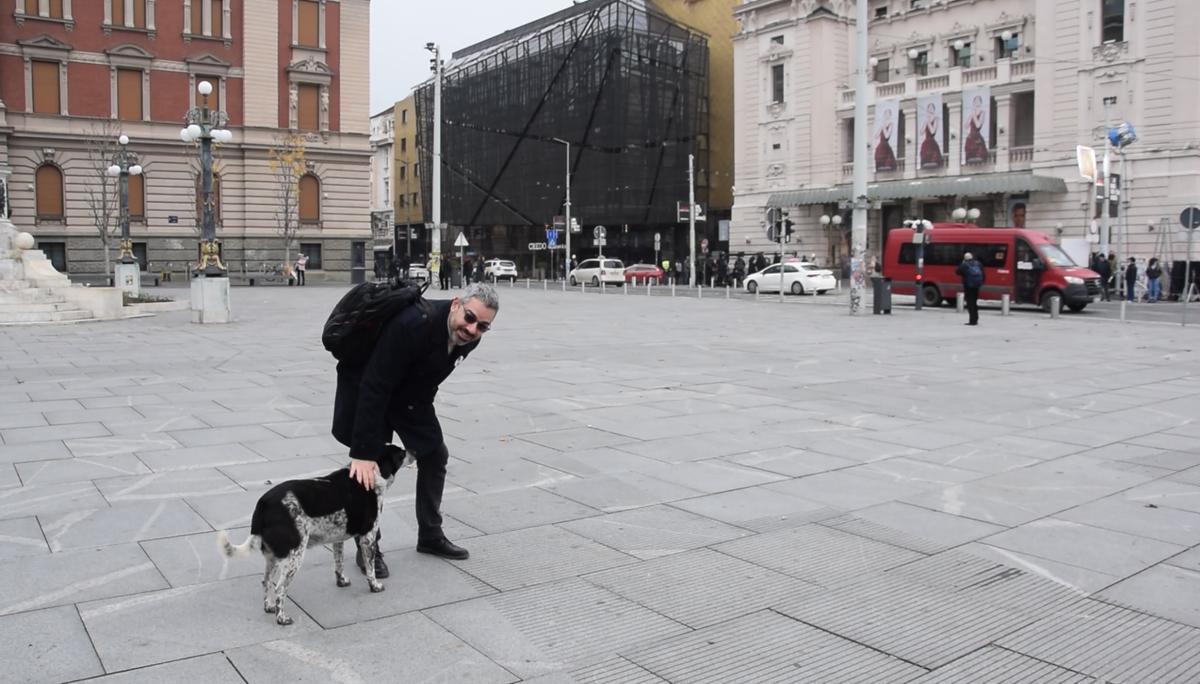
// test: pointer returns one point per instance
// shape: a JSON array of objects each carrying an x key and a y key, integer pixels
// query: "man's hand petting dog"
[{"x": 364, "y": 472}]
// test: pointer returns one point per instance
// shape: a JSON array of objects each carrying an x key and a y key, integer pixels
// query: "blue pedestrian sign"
[{"x": 551, "y": 237}]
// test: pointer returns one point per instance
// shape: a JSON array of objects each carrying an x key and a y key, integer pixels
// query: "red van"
[{"x": 1024, "y": 264}]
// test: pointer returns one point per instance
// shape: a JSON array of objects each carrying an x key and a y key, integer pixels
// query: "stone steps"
[
  {"x": 54, "y": 316},
  {"x": 36, "y": 305}
]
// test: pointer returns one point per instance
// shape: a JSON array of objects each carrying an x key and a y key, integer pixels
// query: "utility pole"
[
  {"x": 567, "y": 214},
  {"x": 1106, "y": 194},
  {"x": 692, "y": 219},
  {"x": 435, "y": 249},
  {"x": 858, "y": 234}
]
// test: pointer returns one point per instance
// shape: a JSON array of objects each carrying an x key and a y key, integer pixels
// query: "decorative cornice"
[
  {"x": 44, "y": 42},
  {"x": 129, "y": 51}
]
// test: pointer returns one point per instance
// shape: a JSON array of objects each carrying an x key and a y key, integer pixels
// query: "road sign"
[
  {"x": 682, "y": 211},
  {"x": 560, "y": 221},
  {"x": 428, "y": 226},
  {"x": 600, "y": 242},
  {"x": 1190, "y": 218},
  {"x": 704, "y": 245},
  {"x": 599, "y": 232},
  {"x": 460, "y": 241},
  {"x": 657, "y": 241},
  {"x": 551, "y": 237}
]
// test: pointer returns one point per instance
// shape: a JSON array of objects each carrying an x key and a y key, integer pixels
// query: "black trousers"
[
  {"x": 971, "y": 294},
  {"x": 431, "y": 481},
  {"x": 300, "y": 277}
]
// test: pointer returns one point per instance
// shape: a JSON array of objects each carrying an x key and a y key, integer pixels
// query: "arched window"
[
  {"x": 200, "y": 200},
  {"x": 137, "y": 198},
  {"x": 49, "y": 182},
  {"x": 310, "y": 199}
]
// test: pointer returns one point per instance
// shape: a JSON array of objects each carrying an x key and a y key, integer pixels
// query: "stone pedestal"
[
  {"x": 129, "y": 278},
  {"x": 210, "y": 300}
]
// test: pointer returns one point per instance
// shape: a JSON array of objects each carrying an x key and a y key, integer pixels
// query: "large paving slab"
[{"x": 756, "y": 492}]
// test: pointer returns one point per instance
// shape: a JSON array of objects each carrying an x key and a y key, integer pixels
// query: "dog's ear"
[{"x": 389, "y": 465}]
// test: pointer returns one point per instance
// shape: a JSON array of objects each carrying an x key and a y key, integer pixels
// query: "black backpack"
[{"x": 354, "y": 325}]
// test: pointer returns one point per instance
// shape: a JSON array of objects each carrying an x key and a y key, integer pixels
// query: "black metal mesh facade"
[{"x": 624, "y": 85}]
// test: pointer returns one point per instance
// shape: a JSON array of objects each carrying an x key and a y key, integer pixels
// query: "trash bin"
[{"x": 883, "y": 294}]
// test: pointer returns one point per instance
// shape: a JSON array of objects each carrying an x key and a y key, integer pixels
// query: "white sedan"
[
  {"x": 799, "y": 277},
  {"x": 596, "y": 271}
]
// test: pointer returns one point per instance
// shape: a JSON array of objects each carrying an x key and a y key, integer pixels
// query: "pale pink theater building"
[
  {"x": 1037, "y": 79},
  {"x": 71, "y": 70}
]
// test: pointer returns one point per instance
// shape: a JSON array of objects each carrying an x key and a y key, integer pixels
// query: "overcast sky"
[{"x": 400, "y": 29}]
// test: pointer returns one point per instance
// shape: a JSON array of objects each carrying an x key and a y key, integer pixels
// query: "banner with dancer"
[
  {"x": 929, "y": 135},
  {"x": 887, "y": 116},
  {"x": 976, "y": 124}
]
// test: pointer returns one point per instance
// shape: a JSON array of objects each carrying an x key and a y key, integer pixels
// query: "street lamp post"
[
  {"x": 436, "y": 200},
  {"x": 206, "y": 126},
  {"x": 128, "y": 274},
  {"x": 567, "y": 214}
]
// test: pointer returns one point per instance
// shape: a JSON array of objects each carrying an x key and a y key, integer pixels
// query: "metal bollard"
[
  {"x": 960, "y": 301},
  {"x": 726, "y": 292},
  {"x": 1122, "y": 310},
  {"x": 581, "y": 290},
  {"x": 527, "y": 283},
  {"x": 672, "y": 288},
  {"x": 544, "y": 286},
  {"x": 602, "y": 289},
  {"x": 756, "y": 295},
  {"x": 1005, "y": 301},
  {"x": 625, "y": 288},
  {"x": 699, "y": 291},
  {"x": 1055, "y": 306}
]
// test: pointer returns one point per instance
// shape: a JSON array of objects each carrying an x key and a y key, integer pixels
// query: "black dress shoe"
[
  {"x": 381, "y": 568},
  {"x": 442, "y": 547}
]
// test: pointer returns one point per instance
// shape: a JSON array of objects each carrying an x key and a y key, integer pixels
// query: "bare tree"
[
  {"x": 101, "y": 190},
  {"x": 288, "y": 165}
]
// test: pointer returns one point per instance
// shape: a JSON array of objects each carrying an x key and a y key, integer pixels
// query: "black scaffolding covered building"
[{"x": 625, "y": 85}]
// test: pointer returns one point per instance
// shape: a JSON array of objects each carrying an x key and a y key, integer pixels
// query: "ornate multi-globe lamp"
[{"x": 206, "y": 126}]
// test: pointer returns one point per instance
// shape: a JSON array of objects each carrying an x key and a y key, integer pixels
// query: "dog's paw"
[
  {"x": 377, "y": 587},
  {"x": 283, "y": 620},
  {"x": 343, "y": 582},
  {"x": 270, "y": 608}
]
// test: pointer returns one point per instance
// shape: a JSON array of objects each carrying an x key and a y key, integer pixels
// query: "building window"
[
  {"x": 137, "y": 19},
  {"x": 215, "y": 16},
  {"x": 55, "y": 9},
  {"x": 920, "y": 63},
  {"x": 56, "y": 252},
  {"x": 310, "y": 199},
  {"x": 1007, "y": 48},
  {"x": 776, "y": 40},
  {"x": 308, "y": 107},
  {"x": 129, "y": 94},
  {"x": 403, "y": 200},
  {"x": 777, "y": 83},
  {"x": 960, "y": 58},
  {"x": 1022, "y": 120},
  {"x": 137, "y": 198},
  {"x": 216, "y": 198},
  {"x": 403, "y": 117},
  {"x": 308, "y": 24},
  {"x": 403, "y": 172},
  {"x": 881, "y": 12},
  {"x": 403, "y": 144},
  {"x": 49, "y": 182},
  {"x": 1112, "y": 20},
  {"x": 313, "y": 251},
  {"x": 46, "y": 87},
  {"x": 882, "y": 70},
  {"x": 214, "y": 98},
  {"x": 848, "y": 140},
  {"x": 414, "y": 199}
]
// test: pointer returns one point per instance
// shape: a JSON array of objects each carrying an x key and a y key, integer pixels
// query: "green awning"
[{"x": 942, "y": 186}]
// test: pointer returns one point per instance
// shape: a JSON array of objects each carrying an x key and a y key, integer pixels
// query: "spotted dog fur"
[{"x": 297, "y": 514}]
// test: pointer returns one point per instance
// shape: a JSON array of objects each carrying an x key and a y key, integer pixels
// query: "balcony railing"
[
  {"x": 933, "y": 82},
  {"x": 847, "y": 97},
  {"x": 1024, "y": 68},
  {"x": 987, "y": 73},
  {"x": 847, "y": 169},
  {"x": 1020, "y": 156},
  {"x": 890, "y": 89}
]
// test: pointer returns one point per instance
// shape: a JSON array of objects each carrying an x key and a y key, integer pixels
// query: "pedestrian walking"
[
  {"x": 971, "y": 272},
  {"x": 1153, "y": 280},
  {"x": 393, "y": 391},
  {"x": 1131, "y": 274},
  {"x": 301, "y": 267},
  {"x": 1105, "y": 271},
  {"x": 444, "y": 273}
]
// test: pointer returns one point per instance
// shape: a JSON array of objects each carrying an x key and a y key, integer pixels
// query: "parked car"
[
  {"x": 1024, "y": 264},
  {"x": 596, "y": 271},
  {"x": 499, "y": 269},
  {"x": 799, "y": 277},
  {"x": 418, "y": 272},
  {"x": 644, "y": 273}
]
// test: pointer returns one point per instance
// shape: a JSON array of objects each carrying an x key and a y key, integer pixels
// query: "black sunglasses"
[{"x": 472, "y": 319}]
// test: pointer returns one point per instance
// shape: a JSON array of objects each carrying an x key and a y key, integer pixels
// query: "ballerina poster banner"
[
  {"x": 929, "y": 132},
  {"x": 976, "y": 124},
  {"x": 887, "y": 123}
]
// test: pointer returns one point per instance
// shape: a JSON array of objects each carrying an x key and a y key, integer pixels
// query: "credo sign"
[{"x": 541, "y": 246}]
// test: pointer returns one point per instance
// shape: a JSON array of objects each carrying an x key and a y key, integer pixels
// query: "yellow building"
[{"x": 406, "y": 180}]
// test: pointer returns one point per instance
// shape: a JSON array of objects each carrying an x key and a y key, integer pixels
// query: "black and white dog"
[{"x": 297, "y": 514}]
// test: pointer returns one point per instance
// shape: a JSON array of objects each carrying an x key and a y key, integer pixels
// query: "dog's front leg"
[
  {"x": 338, "y": 565},
  {"x": 286, "y": 570},
  {"x": 367, "y": 544}
]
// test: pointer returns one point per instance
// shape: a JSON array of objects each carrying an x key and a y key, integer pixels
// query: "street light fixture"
[
  {"x": 206, "y": 126},
  {"x": 959, "y": 214},
  {"x": 436, "y": 200},
  {"x": 124, "y": 165}
]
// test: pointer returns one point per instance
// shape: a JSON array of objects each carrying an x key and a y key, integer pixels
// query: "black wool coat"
[{"x": 394, "y": 391}]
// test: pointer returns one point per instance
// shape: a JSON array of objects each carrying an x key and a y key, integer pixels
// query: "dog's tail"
[{"x": 253, "y": 543}]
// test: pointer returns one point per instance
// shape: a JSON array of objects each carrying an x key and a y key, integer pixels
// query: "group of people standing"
[{"x": 1109, "y": 271}]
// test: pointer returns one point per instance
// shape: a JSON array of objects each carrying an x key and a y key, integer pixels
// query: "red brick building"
[{"x": 74, "y": 74}]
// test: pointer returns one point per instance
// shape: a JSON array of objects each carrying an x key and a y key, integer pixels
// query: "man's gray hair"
[{"x": 485, "y": 293}]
